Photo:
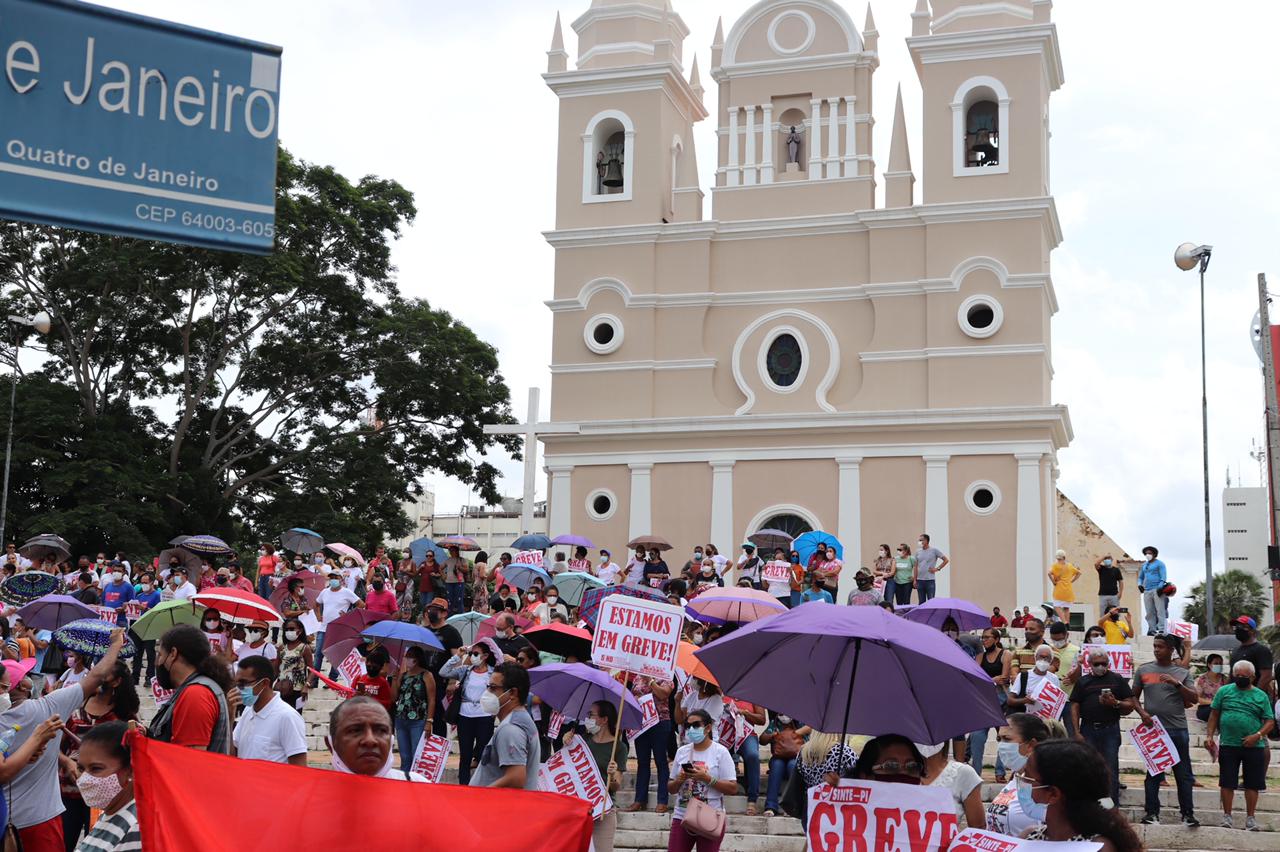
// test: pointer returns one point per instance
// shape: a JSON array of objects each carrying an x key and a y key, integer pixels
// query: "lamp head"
[
  {"x": 42, "y": 322},
  {"x": 1188, "y": 255}
]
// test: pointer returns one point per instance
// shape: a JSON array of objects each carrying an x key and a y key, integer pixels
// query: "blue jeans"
[
  {"x": 780, "y": 770},
  {"x": 653, "y": 742},
  {"x": 264, "y": 586},
  {"x": 408, "y": 733},
  {"x": 978, "y": 745},
  {"x": 925, "y": 590},
  {"x": 1181, "y": 773},
  {"x": 457, "y": 598},
  {"x": 1107, "y": 741},
  {"x": 333, "y": 668},
  {"x": 796, "y": 599},
  {"x": 750, "y": 753}
]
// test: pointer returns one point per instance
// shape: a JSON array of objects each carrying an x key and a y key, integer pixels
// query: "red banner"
[{"x": 408, "y": 814}]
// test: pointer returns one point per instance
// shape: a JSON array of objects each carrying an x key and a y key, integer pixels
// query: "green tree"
[
  {"x": 297, "y": 387},
  {"x": 1235, "y": 593}
]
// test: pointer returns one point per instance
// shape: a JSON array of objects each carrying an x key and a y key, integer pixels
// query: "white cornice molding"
[
  {"x": 666, "y": 76},
  {"x": 624, "y": 11},
  {"x": 975, "y": 10},
  {"x": 627, "y": 366},
  {"x": 616, "y": 47},
  {"x": 976, "y": 350},
  {"x": 1036, "y": 39}
]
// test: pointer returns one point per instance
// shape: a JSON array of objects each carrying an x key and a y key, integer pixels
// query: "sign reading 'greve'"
[
  {"x": 637, "y": 635},
  {"x": 128, "y": 125}
]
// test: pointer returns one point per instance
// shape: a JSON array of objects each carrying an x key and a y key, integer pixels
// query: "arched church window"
[
  {"x": 784, "y": 360},
  {"x": 982, "y": 134},
  {"x": 792, "y": 525},
  {"x": 608, "y": 143},
  {"x": 611, "y": 157}
]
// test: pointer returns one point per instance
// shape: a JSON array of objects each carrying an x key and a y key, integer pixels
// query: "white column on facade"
[
  {"x": 850, "y": 137},
  {"x": 560, "y": 512},
  {"x": 752, "y": 167},
  {"x": 766, "y": 171},
  {"x": 849, "y": 520},
  {"x": 731, "y": 177},
  {"x": 722, "y": 506},
  {"x": 1029, "y": 550},
  {"x": 641, "y": 521},
  {"x": 937, "y": 515},
  {"x": 833, "y": 138},
  {"x": 815, "y": 143}
]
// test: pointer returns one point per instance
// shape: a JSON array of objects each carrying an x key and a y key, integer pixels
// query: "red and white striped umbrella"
[{"x": 237, "y": 605}]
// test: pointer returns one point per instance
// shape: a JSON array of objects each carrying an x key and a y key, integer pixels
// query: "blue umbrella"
[
  {"x": 531, "y": 541},
  {"x": 467, "y": 624},
  {"x": 418, "y": 550},
  {"x": 21, "y": 589},
  {"x": 206, "y": 544},
  {"x": 807, "y": 543},
  {"x": 396, "y": 636},
  {"x": 301, "y": 540},
  {"x": 522, "y": 576}
]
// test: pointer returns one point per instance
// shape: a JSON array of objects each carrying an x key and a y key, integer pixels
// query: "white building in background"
[
  {"x": 420, "y": 512},
  {"x": 493, "y": 529},
  {"x": 1246, "y": 534}
]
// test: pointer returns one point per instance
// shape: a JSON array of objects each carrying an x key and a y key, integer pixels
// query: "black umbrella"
[{"x": 1217, "y": 642}]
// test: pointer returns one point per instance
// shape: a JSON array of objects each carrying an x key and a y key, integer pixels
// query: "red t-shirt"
[
  {"x": 267, "y": 564},
  {"x": 1018, "y": 620},
  {"x": 194, "y": 716},
  {"x": 999, "y": 621},
  {"x": 377, "y": 688},
  {"x": 383, "y": 601}
]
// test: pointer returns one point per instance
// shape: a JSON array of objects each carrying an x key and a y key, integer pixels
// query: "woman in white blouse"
[{"x": 960, "y": 778}]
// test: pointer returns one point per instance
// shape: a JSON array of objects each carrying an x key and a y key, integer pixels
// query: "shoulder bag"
[
  {"x": 454, "y": 711},
  {"x": 702, "y": 820}
]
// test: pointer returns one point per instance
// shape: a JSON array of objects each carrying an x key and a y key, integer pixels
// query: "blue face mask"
[
  {"x": 1033, "y": 809},
  {"x": 247, "y": 697},
  {"x": 696, "y": 735},
  {"x": 1010, "y": 758}
]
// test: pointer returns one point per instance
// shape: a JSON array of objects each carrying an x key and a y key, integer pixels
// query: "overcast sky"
[{"x": 1165, "y": 131}]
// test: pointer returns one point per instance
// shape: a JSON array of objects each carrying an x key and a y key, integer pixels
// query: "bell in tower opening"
[
  {"x": 609, "y": 165},
  {"x": 982, "y": 135}
]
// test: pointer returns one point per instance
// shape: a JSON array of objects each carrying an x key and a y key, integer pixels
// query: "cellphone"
[
  {"x": 1106, "y": 691},
  {"x": 687, "y": 768},
  {"x": 1123, "y": 609}
]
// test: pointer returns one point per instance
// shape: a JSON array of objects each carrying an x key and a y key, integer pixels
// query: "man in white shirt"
[
  {"x": 11, "y": 554},
  {"x": 268, "y": 729},
  {"x": 180, "y": 586},
  {"x": 331, "y": 603}
]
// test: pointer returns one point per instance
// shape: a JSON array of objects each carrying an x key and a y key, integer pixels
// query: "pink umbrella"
[
  {"x": 737, "y": 605},
  {"x": 346, "y": 550},
  {"x": 237, "y": 604},
  {"x": 343, "y": 633},
  {"x": 462, "y": 542},
  {"x": 313, "y": 584}
]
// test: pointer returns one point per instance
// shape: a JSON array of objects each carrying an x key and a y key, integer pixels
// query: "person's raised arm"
[
  {"x": 97, "y": 675},
  {"x": 13, "y": 764}
]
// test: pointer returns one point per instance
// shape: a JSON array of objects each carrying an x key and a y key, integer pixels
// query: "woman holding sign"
[
  {"x": 601, "y": 728},
  {"x": 703, "y": 770}
]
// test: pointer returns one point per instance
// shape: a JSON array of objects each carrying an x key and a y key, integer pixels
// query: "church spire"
[
  {"x": 921, "y": 18},
  {"x": 870, "y": 37},
  {"x": 695, "y": 79},
  {"x": 557, "y": 58},
  {"x": 717, "y": 44},
  {"x": 899, "y": 182}
]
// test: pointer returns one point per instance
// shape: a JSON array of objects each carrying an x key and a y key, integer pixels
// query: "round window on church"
[
  {"x": 601, "y": 504},
  {"x": 980, "y": 316},
  {"x": 784, "y": 361},
  {"x": 982, "y": 497},
  {"x": 603, "y": 334}
]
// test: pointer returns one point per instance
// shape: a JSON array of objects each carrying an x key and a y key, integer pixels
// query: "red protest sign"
[
  {"x": 859, "y": 816},
  {"x": 1049, "y": 699},
  {"x": 650, "y": 708},
  {"x": 733, "y": 730},
  {"x": 1185, "y": 630},
  {"x": 1119, "y": 657},
  {"x": 430, "y": 758},
  {"x": 637, "y": 635},
  {"x": 528, "y": 557},
  {"x": 133, "y": 610},
  {"x": 1156, "y": 747},
  {"x": 106, "y": 613},
  {"x": 572, "y": 772}
]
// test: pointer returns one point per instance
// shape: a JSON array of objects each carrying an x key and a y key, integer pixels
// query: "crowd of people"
[{"x": 238, "y": 689}]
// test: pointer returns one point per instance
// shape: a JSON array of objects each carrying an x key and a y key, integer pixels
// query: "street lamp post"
[
  {"x": 1188, "y": 256},
  {"x": 41, "y": 322}
]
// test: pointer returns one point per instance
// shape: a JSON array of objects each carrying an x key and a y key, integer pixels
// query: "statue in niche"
[{"x": 793, "y": 146}]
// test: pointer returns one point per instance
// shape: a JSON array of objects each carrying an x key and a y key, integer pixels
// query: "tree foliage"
[
  {"x": 251, "y": 392},
  {"x": 1235, "y": 593}
]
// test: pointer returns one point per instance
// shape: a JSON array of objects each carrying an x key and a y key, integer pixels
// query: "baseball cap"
[
  {"x": 1247, "y": 622},
  {"x": 439, "y": 603}
]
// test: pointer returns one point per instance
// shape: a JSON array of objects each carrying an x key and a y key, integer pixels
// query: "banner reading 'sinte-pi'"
[{"x": 128, "y": 125}]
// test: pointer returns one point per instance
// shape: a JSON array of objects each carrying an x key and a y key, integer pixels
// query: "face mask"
[
  {"x": 551, "y": 600},
  {"x": 592, "y": 726},
  {"x": 175, "y": 579},
  {"x": 477, "y": 659},
  {"x": 98, "y": 792},
  {"x": 1106, "y": 562},
  {"x": 697, "y": 557},
  {"x": 6, "y": 701},
  {"x": 921, "y": 543},
  {"x": 1059, "y": 643},
  {"x": 784, "y": 720},
  {"x": 117, "y": 576},
  {"x": 490, "y": 704},
  {"x": 297, "y": 563},
  {"x": 318, "y": 559},
  {"x": 253, "y": 636},
  {"x": 1218, "y": 669},
  {"x": 246, "y": 696},
  {"x": 953, "y": 634},
  {"x": 697, "y": 639},
  {"x": 1042, "y": 666},
  {"x": 1243, "y": 634},
  {"x": 211, "y": 625},
  {"x": 347, "y": 563},
  {"x": 291, "y": 635},
  {"x": 335, "y": 584},
  {"x": 1242, "y": 681},
  {"x": 378, "y": 585},
  {"x": 707, "y": 570},
  {"x": 222, "y": 581},
  {"x": 1010, "y": 757},
  {"x": 164, "y": 678},
  {"x": 1033, "y": 809},
  {"x": 533, "y": 596},
  {"x": 1099, "y": 671}
]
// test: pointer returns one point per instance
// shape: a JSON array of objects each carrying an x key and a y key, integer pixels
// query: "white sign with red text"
[
  {"x": 859, "y": 816},
  {"x": 106, "y": 613},
  {"x": 1049, "y": 698},
  {"x": 1119, "y": 657},
  {"x": 528, "y": 557},
  {"x": 133, "y": 610},
  {"x": 981, "y": 840},
  {"x": 1156, "y": 747},
  {"x": 430, "y": 757},
  {"x": 351, "y": 668},
  {"x": 637, "y": 635},
  {"x": 777, "y": 571},
  {"x": 650, "y": 708},
  {"x": 572, "y": 772},
  {"x": 733, "y": 730},
  {"x": 1185, "y": 630},
  {"x": 161, "y": 695},
  {"x": 554, "y": 724}
]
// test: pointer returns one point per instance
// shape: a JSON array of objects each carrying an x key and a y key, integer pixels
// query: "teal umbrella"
[
  {"x": 572, "y": 584},
  {"x": 467, "y": 624}
]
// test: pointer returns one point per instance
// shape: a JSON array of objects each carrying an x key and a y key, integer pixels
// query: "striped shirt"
[{"x": 117, "y": 832}]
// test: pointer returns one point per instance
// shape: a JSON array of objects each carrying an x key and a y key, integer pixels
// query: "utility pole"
[{"x": 1273, "y": 420}]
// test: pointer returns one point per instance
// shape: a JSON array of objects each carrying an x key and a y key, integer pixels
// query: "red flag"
[
  {"x": 344, "y": 691},
  {"x": 234, "y": 810}
]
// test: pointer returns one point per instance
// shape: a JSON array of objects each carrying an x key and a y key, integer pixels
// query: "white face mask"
[
  {"x": 117, "y": 576},
  {"x": 146, "y": 587},
  {"x": 291, "y": 635},
  {"x": 477, "y": 659},
  {"x": 592, "y": 726},
  {"x": 211, "y": 625},
  {"x": 98, "y": 792},
  {"x": 253, "y": 636},
  {"x": 347, "y": 563},
  {"x": 1042, "y": 666},
  {"x": 490, "y": 704},
  {"x": 551, "y": 600},
  {"x": 1059, "y": 643},
  {"x": 6, "y": 701}
]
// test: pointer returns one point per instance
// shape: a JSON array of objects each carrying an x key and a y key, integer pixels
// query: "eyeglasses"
[
  {"x": 894, "y": 767},
  {"x": 497, "y": 689},
  {"x": 1022, "y": 778}
]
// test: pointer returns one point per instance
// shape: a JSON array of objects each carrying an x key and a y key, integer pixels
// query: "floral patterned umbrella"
[
  {"x": 21, "y": 589},
  {"x": 209, "y": 545},
  {"x": 91, "y": 637}
]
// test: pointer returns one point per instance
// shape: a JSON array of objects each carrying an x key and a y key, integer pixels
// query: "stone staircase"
[{"x": 647, "y": 831}]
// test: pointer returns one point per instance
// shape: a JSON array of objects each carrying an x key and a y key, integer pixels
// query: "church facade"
[{"x": 803, "y": 357}]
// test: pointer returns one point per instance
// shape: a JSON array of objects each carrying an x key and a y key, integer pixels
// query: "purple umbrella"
[
  {"x": 572, "y": 688},
  {"x": 342, "y": 634},
  {"x": 573, "y": 541},
  {"x": 812, "y": 661},
  {"x": 933, "y": 612},
  {"x": 52, "y": 611}
]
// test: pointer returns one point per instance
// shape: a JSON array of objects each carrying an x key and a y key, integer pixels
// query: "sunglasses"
[
  {"x": 695, "y": 725},
  {"x": 894, "y": 767}
]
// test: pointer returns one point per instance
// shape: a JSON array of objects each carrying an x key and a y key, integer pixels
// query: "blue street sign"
[{"x": 129, "y": 125}]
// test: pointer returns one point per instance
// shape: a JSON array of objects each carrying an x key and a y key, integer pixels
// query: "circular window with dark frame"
[
  {"x": 603, "y": 334},
  {"x": 980, "y": 316},
  {"x": 982, "y": 497},
  {"x": 784, "y": 360},
  {"x": 601, "y": 504}
]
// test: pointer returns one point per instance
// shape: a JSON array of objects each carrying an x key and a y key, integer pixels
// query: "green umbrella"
[{"x": 157, "y": 620}]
